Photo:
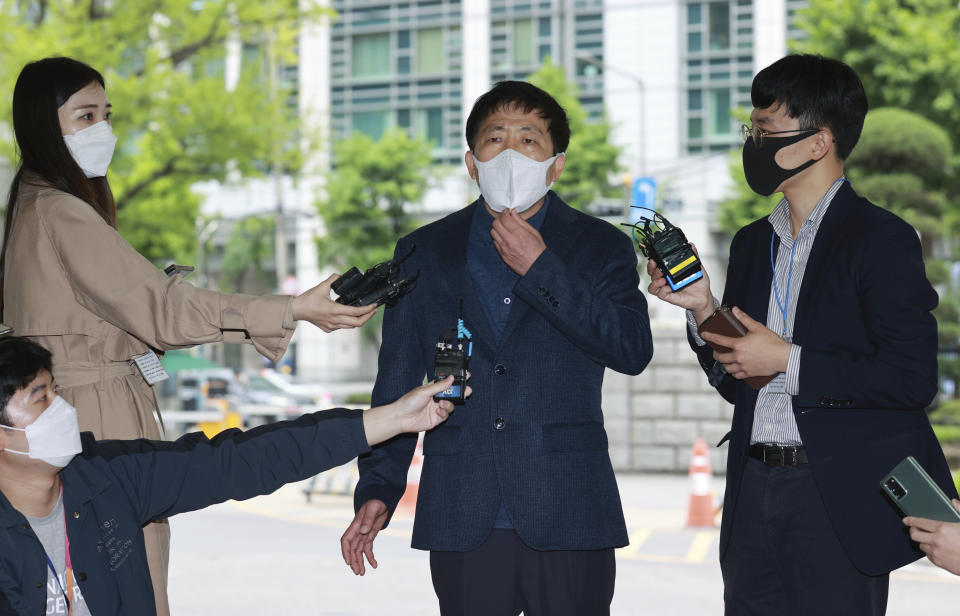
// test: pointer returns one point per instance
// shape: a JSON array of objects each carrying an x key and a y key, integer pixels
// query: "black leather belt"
[{"x": 778, "y": 455}]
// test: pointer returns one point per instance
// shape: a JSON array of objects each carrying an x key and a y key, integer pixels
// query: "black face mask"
[{"x": 760, "y": 165}]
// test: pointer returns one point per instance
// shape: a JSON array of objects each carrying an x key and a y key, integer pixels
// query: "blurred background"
[{"x": 271, "y": 143}]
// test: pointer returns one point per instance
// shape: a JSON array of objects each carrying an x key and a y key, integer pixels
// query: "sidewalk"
[{"x": 278, "y": 554}]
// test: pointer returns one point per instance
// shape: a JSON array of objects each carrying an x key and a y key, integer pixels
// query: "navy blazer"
[
  {"x": 867, "y": 370},
  {"x": 578, "y": 310}
]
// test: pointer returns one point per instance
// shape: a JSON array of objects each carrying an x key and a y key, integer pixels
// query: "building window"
[
  {"x": 719, "y": 119},
  {"x": 695, "y": 100},
  {"x": 370, "y": 123},
  {"x": 403, "y": 39},
  {"x": 694, "y": 128},
  {"x": 523, "y": 42},
  {"x": 694, "y": 41},
  {"x": 719, "y": 26},
  {"x": 431, "y": 57},
  {"x": 371, "y": 55},
  {"x": 544, "y": 26},
  {"x": 693, "y": 14},
  {"x": 431, "y": 125}
]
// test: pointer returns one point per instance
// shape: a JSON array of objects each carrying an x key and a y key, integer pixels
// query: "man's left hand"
[
  {"x": 760, "y": 352},
  {"x": 517, "y": 242}
]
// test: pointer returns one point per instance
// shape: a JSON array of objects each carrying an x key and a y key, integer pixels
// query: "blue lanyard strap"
[
  {"x": 776, "y": 292},
  {"x": 57, "y": 578}
]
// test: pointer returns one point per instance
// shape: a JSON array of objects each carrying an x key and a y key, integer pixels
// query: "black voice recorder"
[
  {"x": 666, "y": 244},
  {"x": 454, "y": 349},
  {"x": 378, "y": 285}
]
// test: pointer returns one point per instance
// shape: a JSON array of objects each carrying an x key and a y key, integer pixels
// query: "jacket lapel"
[
  {"x": 825, "y": 244},
  {"x": 456, "y": 280},
  {"x": 559, "y": 233}
]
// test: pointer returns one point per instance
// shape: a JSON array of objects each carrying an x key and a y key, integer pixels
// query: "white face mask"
[
  {"x": 54, "y": 436},
  {"x": 512, "y": 180},
  {"x": 92, "y": 148}
]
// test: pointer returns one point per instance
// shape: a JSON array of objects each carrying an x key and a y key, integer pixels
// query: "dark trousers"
[
  {"x": 784, "y": 557},
  {"x": 504, "y": 577}
]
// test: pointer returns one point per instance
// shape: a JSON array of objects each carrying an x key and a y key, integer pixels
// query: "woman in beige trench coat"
[{"x": 72, "y": 284}]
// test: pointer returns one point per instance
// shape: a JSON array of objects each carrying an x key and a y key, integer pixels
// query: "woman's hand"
[
  {"x": 316, "y": 307},
  {"x": 416, "y": 411}
]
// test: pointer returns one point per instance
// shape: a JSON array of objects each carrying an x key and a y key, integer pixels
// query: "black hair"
[
  {"x": 42, "y": 88},
  {"x": 21, "y": 360},
  {"x": 526, "y": 97},
  {"x": 821, "y": 92}
]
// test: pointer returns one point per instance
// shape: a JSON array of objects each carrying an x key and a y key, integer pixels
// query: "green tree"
[
  {"x": 591, "y": 158},
  {"x": 163, "y": 61},
  {"x": 369, "y": 195},
  {"x": 250, "y": 246},
  {"x": 906, "y": 52}
]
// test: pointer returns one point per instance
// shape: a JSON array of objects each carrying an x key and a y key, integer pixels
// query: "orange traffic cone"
[
  {"x": 408, "y": 502},
  {"x": 700, "y": 511}
]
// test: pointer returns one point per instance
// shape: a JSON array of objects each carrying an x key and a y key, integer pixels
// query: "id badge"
[{"x": 150, "y": 367}]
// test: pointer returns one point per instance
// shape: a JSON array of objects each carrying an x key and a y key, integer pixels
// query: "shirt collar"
[
  {"x": 483, "y": 219},
  {"x": 779, "y": 218}
]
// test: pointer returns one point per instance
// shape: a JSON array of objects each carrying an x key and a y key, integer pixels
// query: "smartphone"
[{"x": 916, "y": 494}]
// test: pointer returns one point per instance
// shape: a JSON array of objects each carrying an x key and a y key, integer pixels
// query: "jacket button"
[
  {"x": 82, "y": 577},
  {"x": 499, "y": 370},
  {"x": 39, "y": 584},
  {"x": 499, "y": 423},
  {"x": 76, "y": 515},
  {"x": 25, "y": 526}
]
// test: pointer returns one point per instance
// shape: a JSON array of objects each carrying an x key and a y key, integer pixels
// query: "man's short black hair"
[
  {"x": 820, "y": 92},
  {"x": 526, "y": 97},
  {"x": 21, "y": 360}
]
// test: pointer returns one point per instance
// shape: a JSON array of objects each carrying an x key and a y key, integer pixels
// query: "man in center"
[{"x": 518, "y": 503}]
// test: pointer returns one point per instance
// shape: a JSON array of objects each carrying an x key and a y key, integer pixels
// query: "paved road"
[{"x": 280, "y": 555}]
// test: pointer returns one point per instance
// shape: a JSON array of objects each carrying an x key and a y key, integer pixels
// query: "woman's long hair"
[{"x": 42, "y": 88}]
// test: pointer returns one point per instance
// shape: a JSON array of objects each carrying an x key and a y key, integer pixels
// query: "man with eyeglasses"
[{"x": 832, "y": 292}]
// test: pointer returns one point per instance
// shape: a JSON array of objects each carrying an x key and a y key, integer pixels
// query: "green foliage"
[
  {"x": 591, "y": 158},
  {"x": 947, "y": 434},
  {"x": 905, "y": 51},
  {"x": 362, "y": 397},
  {"x": 249, "y": 247},
  {"x": 903, "y": 163},
  {"x": 947, "y": 413},
  {"x": 163, "y": 61},
  {"x": 369, "y": 192}
]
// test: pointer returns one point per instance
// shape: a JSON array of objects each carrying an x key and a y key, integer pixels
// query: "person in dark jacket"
[
  {"x": 832, "y": 293},
  {"x": 518, "y": 503},
  {"x": 72, "y": 507}
]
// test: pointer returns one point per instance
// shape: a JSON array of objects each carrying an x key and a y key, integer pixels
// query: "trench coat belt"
[{"x": 75, "y": 375}]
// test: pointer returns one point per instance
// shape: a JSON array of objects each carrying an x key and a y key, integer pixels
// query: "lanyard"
[
  {"x": 776, "y": 292},
  {"x": 69, "y": 568},
  {"x": 784, "y": 307}
]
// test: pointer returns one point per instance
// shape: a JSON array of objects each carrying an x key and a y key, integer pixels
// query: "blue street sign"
[{"x": 644, "y": 195}]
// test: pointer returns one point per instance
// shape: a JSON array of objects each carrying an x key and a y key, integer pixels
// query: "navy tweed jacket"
[{"x": 578, "y": 311}]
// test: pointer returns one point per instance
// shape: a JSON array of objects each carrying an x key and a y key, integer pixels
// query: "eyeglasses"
[{"x": 757, "y": 133}]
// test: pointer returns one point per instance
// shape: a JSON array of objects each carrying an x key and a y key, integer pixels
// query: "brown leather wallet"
[{"x": 724, "y": 323}]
